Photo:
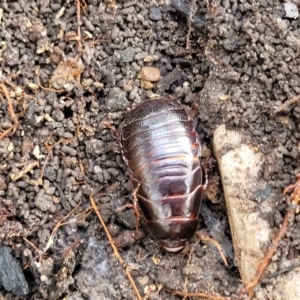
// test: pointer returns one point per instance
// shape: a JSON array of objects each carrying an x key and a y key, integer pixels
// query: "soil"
[{"x": 70, "y": 68}]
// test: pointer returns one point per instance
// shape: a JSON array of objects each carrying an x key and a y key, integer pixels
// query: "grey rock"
[
  {"x": 128, "y": 54},
  {"x": 99, "y": 273},
  {"x": 30, "y": 113},
  {"x": 94, "y": 147},
  {"x": 230, "y": 44},
  {"x": 127, "y": 218},
  {"x": 165, "y": 82},
  {"x": 44, "y": 202},
  {"x": 183, "y": 7},
  {"x": 50, "y": 173},
  {"x": 11, "y": 275},
  {"x": 12, "y": 55},
  {"x": 117, "y": 100},
  {"x": 89, "y": 25},
  {"x": 291, "y": 10},
  {"x": 262, "y": 194},
  {"x": 155, "y": 14},
  {"x": 69, "y": 150},
  {"x": 3, "y": 185}
]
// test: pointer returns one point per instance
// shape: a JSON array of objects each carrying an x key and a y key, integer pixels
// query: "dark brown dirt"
[{"x": 239, "y": 61}]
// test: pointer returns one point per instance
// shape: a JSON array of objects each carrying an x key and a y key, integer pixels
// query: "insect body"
[{"x": 161, "y": 148}]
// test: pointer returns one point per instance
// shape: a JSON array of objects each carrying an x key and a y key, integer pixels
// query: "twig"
[
  {"x": 287, "y": 269},
  {"x": 11, "y": 112},
  {"x": 139, "y": 258},
  {"x": 215, "y": 243},
  {"x": 294, "y": 200},
  {"x": 10, "y": 105},
  {"x": 266, "y": 260},
  {"x": 75, "y": 244},
  {"x": 17, "y": 87},
  {"x": 286, "y": 106},
  {"x": 40, "y": 252},
  {"x": 206, "y": 296},
  {"x": 115, "y": 249},
  {"x": 191, "y": 15},
  {"x": 78, "y": 27},
  {"x": 59, "y": 224},
  {"x": 37, "y": 72},
  {"x": 39, "y": 181}
]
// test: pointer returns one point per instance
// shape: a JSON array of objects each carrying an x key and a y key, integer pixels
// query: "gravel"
[{"x": 237, "y": 61}]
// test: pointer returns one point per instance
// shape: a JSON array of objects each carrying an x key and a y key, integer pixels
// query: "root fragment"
[{"x": 10, "y": 110}]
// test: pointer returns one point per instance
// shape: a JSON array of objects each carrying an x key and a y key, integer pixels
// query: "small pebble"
[
  {"x": 94, "y": 147},
  {"x": 155, "y": 14},
  {"x": 44, "y": 202},
  {"x": 141, "y": 55},
  {"x": 89, "y": 25},
  {"x": 291, "y": 10},
  {"x": 150, "y": 74},
  {"x": 4, "y": 144},
  {"x": 117, "y": 100},
  {"x": 128, "y": 54},
  {"x": 11, "y": 274}
]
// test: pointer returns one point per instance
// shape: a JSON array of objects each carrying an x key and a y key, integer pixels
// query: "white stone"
[
  {"x": 240, "y": 163},
  {"x": 291, "y": 10}
]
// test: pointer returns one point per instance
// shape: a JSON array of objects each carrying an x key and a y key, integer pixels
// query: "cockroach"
[{"x": 161, "y": 148}]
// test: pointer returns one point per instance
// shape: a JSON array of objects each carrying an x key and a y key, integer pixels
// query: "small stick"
[
  {"x": 10, "y": 105},
  {"x": 215, "y": 243},
  {"x": 191, "y": 15},
  {"x": 33, "y": 246},
  {"x": 59, "y": 224},
  {"x": 37, "y": 72},
  {"x": 115, "y": 249},
  {"x": 11, "y": 112},
  {"x": 206, "y": 296},
  {"x": 39, "y": 181},
  {"x": 78, "y": 27},
  {"x": 287, "y": 104},
  {"x": 266, "y": 260},
  {"x": 139, "y": 258},
  {"x": 74, "y": 245}
]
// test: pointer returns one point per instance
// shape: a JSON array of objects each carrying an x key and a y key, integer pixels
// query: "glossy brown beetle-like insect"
[{"x": 161, "y": 148}]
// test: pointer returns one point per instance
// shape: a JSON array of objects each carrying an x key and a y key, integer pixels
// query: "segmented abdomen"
[{"x": 162, "y": 150}]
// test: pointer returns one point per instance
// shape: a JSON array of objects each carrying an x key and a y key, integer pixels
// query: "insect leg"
[{"x": 136, "y": 209}]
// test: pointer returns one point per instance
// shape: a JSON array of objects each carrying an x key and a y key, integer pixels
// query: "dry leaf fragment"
[
  {"x": 36, "y": 152},
  {"x": 60, "y": 13},
  {"x": 33, "y": 86},
  {"x": 224, "y": 97},
  {"x": 10, "y": 147}
]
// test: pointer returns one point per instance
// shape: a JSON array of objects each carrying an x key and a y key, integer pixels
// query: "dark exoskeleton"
[{"x": 161, "y": 148}]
